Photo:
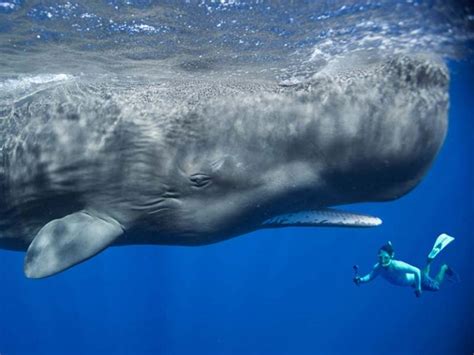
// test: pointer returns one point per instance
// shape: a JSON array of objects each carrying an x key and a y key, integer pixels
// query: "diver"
[{"x": 400, "y": 273}]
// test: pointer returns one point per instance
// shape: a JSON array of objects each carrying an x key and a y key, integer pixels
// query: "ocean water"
[{"x": 276, "y": 291}]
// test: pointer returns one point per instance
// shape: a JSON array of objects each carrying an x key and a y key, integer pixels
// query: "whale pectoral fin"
[
  {"x": 65, "y": 242},
  {"x": 322, "y": 218}
]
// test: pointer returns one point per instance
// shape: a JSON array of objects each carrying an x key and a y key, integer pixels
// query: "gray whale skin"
[{"x": 86, "y": 164}]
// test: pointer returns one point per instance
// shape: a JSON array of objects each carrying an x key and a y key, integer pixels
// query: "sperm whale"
[{"x": 87, "y": 164}]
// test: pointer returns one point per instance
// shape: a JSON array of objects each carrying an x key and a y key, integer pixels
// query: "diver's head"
[{"x": 386, "y": 254}]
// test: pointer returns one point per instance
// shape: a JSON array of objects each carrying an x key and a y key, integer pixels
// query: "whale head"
[
  {"x": 192, "y": 162},
  {"x": 389, "y": 122},
  {"x": 354, "y": 132}
]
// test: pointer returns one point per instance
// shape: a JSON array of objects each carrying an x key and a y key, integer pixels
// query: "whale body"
[{"x": 86, "y": 164}]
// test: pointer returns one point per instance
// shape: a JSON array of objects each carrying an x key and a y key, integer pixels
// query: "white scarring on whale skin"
[{"x": 87, "y": 164}]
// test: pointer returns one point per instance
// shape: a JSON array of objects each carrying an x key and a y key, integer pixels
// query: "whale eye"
[{"x": 200, "y": 180}]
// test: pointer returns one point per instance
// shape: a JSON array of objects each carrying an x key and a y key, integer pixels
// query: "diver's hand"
[
  {"x": 418, "y": 293},
  {"x": 357, "y": 280}
]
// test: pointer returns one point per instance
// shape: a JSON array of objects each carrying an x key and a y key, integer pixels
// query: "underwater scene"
[{"x": 236, "y": 177}]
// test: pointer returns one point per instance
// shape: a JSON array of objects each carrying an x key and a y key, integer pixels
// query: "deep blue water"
[{"x": 285, "y": 291}]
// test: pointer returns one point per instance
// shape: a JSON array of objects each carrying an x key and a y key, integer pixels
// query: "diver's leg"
[
  {"x": 441, "y": 274},
  {"x": 427, "y": 283},
  {"x": 427, "y": 268}
]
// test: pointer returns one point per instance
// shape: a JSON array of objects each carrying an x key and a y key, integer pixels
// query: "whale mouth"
[{"x": 327, "y": 217}]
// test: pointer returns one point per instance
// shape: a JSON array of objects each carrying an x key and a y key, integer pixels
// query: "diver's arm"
[{"x": 370, "y": 276}]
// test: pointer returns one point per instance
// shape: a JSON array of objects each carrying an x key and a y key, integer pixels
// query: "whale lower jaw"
[{"x": 322, "y": 218}]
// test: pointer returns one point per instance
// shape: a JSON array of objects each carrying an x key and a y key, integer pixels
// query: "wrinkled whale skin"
[{"x": 193, "y": 162}]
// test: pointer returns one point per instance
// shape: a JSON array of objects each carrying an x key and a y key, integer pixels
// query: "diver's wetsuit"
[{"x": 402, "y": 274}]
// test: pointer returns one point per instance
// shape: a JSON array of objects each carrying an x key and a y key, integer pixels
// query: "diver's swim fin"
[
  {"x": 441, "y": 242},
  {"x": 322, "y": 218},
  {"x": 68, "y": 241}
]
